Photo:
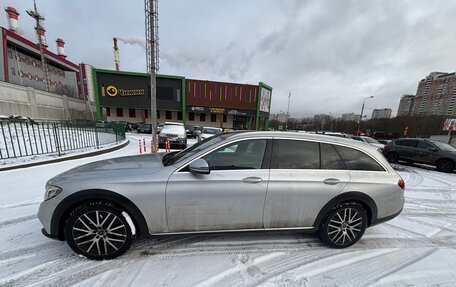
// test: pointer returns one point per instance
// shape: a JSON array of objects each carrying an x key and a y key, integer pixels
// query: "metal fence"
[{"x": 21, "y": 138}]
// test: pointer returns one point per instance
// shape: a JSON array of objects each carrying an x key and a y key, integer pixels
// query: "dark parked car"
[
  {"x": 145, "y": 129},
  {"x": 436, "y": 153},
  {"x": 190, "y": 131}
]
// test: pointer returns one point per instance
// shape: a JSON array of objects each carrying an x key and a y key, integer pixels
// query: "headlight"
[
  {"x": 181, "y": 136},
  {"x": 51, "y": 191}
]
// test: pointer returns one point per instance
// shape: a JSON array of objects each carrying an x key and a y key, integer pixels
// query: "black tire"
[
  {"x": 98, "y": 230},
  {"x": 445, "y": 165},
  {"x": 343, "y": 226},
  {"x": 392, "y": 157}
]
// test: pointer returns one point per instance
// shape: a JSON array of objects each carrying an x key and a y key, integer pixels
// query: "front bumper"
[
  {"x": 172, "y": 141},
  {"x": 45, "y": 213}
]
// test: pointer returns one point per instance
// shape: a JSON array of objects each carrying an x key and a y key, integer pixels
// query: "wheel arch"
[
  {"x": 68, "y": 204},
  {"x": 353, "y": 196}
]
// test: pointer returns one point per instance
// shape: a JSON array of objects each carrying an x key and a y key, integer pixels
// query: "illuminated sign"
[
  {"x": 217, "y": 110},
  {"x": 112, "y": 91}
]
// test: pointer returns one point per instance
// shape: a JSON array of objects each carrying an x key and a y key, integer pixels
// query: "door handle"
[
  {"x": 331, "y": 181},
  {"x": 252, "y": 179}
]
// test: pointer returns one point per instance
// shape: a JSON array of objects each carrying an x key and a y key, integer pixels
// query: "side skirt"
[{"x": 303, "y": 229}]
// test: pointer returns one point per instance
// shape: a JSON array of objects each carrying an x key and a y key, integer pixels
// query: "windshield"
[
  {"x": 173, "y": 129},
  {"x": 194, "y": 149},
  {"x": 444, "y": 146},
  {"x": 211, "y": 131}
]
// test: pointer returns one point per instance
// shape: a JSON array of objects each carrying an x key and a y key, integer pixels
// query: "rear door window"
[
  {"x": 330, "y": 159},
  {"x": 357, "y": 160},
  {"x": 425, "y": 145},
  {"x": 409, "y": 143},
  {"x": 296, "y": 154}
]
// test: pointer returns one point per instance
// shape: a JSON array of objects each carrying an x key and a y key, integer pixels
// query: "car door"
[
  {"x": 426, "y": 152},
  {"x": 298, "y": 185},
  {"x": 230, "y": 197},
  {"x": 407, "y": 150}
]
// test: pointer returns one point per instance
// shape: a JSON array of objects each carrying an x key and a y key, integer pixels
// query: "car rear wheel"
[
  {"x": 392, "y": 157},
  {"x": 445, "y": 165},
  {"x": 98, "y": 230},
  {"x": 343, "y": 226}
]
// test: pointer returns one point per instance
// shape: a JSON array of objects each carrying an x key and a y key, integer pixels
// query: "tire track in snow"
[
  {"x": 17, "y": 220},
  {"x": 21, "y": 204},
  {"x": 36, "y": 250},
  {"x": 362, "y": 273},
  {"x": 37, "y": 274}
]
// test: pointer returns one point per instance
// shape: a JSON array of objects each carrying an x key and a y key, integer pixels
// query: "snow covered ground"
[{"x": 417, "y": 248}]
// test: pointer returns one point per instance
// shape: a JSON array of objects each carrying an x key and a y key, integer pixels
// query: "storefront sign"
[
  {"x": 217, "y": 110},
  {"x": 113, "y": 91},
  {"x": 197, "y": 109},
  {"x": 237, "y": 113}
]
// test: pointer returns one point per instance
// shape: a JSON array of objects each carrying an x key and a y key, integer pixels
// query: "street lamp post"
[{"x": 362, "y": 111}]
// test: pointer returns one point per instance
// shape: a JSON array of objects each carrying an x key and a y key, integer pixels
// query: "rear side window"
[
  {"x": 330, "y": 159},
  {"x": 425, "y": 145},
  {"x": 357, "y": 160},
  {"x": 296, "y": 154},
  {"x": 409, "y": 143}
]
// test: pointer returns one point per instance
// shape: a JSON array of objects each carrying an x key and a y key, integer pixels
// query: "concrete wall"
[{"x": 40, "y": 105}]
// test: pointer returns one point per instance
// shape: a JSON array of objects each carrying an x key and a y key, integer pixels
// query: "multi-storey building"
[
  {"x": 405, "y": 105},
  {"x": 436, "y": 95},
  {"x": 381, "y": 114},
  {"x": 352, "y": 117}
]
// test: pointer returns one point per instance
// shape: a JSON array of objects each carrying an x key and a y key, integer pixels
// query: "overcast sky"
[{"x": 329, "y": 54}]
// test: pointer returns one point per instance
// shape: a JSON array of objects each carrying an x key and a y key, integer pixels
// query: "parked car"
[
  {"x": 159, "y": 127},
  {"x": 384, "y": 142},
  {"x": 191, "y": 131},
  {"x": 231, "y": 182},
  {"x": 439, "y": 154},
  {"x": 370, "y": 141},
  {"x": 144, "y": 129},
  {"x": 207, "y": 132},
  {"x": 174, "y": 133}
]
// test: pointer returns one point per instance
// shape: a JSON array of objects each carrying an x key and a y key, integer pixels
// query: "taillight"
[{"x": 401, "y": 184}]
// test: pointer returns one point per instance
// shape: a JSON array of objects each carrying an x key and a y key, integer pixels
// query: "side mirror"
[
  {"x": 432, "y": 149},
  {"x": 200, "y": 166}
]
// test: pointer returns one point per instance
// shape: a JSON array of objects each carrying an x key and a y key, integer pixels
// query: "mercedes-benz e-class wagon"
[{"x": 239, "y": 181}]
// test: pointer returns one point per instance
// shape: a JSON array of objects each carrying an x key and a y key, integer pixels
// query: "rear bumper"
[{"x": 384, "y": 219}]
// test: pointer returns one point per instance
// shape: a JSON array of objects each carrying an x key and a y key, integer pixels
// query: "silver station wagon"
[{"x": 238, "y": 181}]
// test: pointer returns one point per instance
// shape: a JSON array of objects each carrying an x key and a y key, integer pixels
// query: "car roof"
[{"x": 174, "y": 124}]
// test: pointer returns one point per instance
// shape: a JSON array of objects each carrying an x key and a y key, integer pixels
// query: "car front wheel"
[
  {"x": 98, "y": 230},
  {"x": 343, "y": 226}
]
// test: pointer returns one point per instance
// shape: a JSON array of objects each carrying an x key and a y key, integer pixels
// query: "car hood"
[{"x": 112, "y": 168}]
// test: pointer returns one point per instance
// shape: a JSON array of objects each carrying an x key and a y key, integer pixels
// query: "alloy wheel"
[
  {"x": 99, "y": 232},
  {"x": 345, "y": 226}
]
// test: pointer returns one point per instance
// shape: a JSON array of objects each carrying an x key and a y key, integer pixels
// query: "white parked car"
[
  {"x": 174, "y": 133},
  {"x": 208, "y": 132}
]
